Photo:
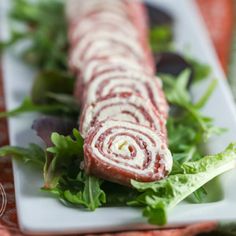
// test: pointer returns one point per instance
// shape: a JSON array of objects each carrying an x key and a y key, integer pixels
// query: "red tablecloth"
[{"x": 218, "y": 15}]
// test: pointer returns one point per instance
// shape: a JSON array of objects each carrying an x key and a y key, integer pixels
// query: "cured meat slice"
[
  {"x": 119, "y": 151},
  {"x": 127, "y": 81},
  {"x": 123, "y": 107}
]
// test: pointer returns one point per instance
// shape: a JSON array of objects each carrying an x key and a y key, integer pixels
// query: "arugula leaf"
[
  {"x": 198, "y": 196},
  {"x": 186, "y": 126},
  {"x": 203, "y": 100},
  {"x": 66, "y": 150},
  {"x": 46, "y": 28},
  {"x": 66, "y": 145},
  {"x": 178, "y": 95},
  {"x": 51, "y": 94},
  {"x": 15, "y": 37},
  {"x": 65, "y": 99},
  {"x": 161, "y": 38},
  {"x": 33, "y": 154},
  {"x": 64, "y": 176},
  {"x": 56, "y": 160},
  {"x": 83, "y": 191},
  {"x": 53, "y": 109},
  {"x": 201, "y": 71},
  {"x": 91, "y": 196},
  {"x": 51, "y": 81},
  {"x": 61, "y": 163},
  {"x": 118, "y": 195},
  {"x": 159, "y": 197},
  {"x": 176, "y": 88}
]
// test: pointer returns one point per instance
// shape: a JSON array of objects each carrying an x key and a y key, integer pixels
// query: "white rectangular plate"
[{"x": 38, "y": 212}]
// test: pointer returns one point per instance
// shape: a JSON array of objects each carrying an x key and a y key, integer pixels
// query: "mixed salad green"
[{"x": 45, "y": 28}]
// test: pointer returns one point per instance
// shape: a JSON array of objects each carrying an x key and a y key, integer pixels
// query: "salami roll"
[
  {"x": 123, "y": 107},
  {"x": 119, "y": 151},
  {"x": 131, "y": 81}
]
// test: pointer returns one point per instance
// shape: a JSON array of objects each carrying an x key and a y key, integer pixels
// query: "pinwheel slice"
[
  {"x": 95, "y": 67},
  {"x": 123, "y": 107},
  {"x": 119, "y": 151},
  {"x": 131, "y": 81},
  {"x": 132, "y": 11},
  {"x": 105, "y": 43},
  {"x": 104, "y": 21},
  {"x": 77, "y": 8}
]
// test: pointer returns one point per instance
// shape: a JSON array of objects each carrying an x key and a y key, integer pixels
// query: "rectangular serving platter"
[{"x": 39, "y": 213}]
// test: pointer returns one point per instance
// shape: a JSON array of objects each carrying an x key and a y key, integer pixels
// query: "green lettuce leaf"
[
  {"x": 118, "y": 195},
  {"x": 67, "y": 100},
  {"x": 28, "y": 106},
  {"x": 198, "y": 196},
  {"x": 51, "y": 81},
  {"x": 91, "y": 196},
  {"x": 63, "y": 176},
  {"x": 187, "y": 127},
  {"x": 201, "y": 71},
  {"x": 33, "y": 154},
  {"x": 52, "y": 93},
  {"x": 62, "y": 172},
  {"x": 161, "y": 38},
  {"x": 67, "y": 150},
  {"x": 45, "y": 28},
  {"x": 159, "y": 197}
]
